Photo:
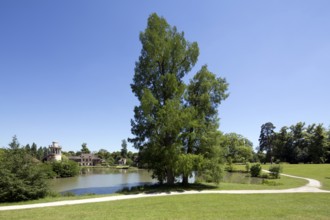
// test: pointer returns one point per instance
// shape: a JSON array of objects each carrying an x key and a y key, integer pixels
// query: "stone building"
[
  {"x": 55, "y": 152},
  {"x": 86, "y": 160}
]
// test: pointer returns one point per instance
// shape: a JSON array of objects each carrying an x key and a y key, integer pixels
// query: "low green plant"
[
  {"x": 264, "y": 175},
  {"x": 275, "y": 171},
  {"x": 255, "y": 170},
  {"x": 270, "y": 182}
]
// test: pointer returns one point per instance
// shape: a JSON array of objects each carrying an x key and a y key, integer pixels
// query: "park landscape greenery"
[{"x": 176, "y": 131}]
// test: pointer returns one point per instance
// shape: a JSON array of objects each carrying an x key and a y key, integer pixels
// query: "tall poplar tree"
[
  {"x": 172, "y": 121},
  {"x": 166, "y": 57},
  {"x": 266, "y": 140}
]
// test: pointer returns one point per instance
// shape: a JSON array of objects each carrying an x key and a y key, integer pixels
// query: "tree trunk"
[
  {"x": 184, "y": 180},
  {"x": 170, "y": 178}
]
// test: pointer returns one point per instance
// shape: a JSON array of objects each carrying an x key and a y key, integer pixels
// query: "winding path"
[{"x": 313, "y": 186}]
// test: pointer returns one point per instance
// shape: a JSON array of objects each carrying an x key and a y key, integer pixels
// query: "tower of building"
[{"x": 55, "y": 151}]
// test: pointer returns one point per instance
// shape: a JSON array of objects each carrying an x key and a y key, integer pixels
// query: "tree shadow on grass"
[{"x": 161, "y": 188}]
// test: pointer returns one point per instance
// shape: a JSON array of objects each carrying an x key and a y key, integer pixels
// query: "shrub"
[
  {"x": 275, "y": 171},
  {"x": 21, "y": 177},
  {"x": 65, "y": 168},
  {"x": 264, "y": 175},
  {"x": 255, "y": 170}
]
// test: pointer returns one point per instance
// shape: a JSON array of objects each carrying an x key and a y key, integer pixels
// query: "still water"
[
  {"x": 107, "y": 180},
  {"x": 102, "y": 181}
]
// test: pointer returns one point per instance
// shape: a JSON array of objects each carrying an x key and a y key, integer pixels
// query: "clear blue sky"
[{"x": 66, "y": 66}]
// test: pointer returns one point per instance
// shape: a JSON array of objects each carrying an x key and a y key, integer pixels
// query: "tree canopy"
[
  {"x": 301, "y": 144},
  {"x": 172, "y": 118},
  {"x": 22, "y": 176}
]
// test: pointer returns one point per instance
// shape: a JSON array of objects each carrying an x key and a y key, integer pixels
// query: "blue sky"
[{"x": 66, "y": 66}]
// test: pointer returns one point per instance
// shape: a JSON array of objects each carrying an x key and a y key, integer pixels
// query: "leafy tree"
[
  {"x": 298, "y": 143},
  {"x": 124, "y": 148},
  {"x": 173, "y": 122},
  {"x": 266, "y": 139},
  {"x": 14, "y": 144},
  {"x": 40, "y": 153},
  {"x": 65, "y": 168},
  {"x": 165, "y": 58},
  {"x": 204, "y": 94},
  {"x": 28, "y": 149},
  {"x": 318, "y": 145},
  {"x": 236, "y": 147},
  {"x": 34, "y": 150},
  {"x": 282, "y": 148},
  {"x": 22, "y": 177},
  {"x": 84, "y": 149},
  {"x": 255, "y": 170}
]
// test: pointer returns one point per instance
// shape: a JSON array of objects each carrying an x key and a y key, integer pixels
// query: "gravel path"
[{"x": 313, "y": 186}]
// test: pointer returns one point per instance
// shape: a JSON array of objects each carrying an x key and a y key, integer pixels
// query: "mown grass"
[
  {"x": 205, "y": 206},
  {"x": 320, "y": 172}
]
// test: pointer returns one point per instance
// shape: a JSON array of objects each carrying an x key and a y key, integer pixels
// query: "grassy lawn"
[
  {"x": 282, "y": 183},
  {"x": 275, "y": 206},
  {"x": 320, "y": 172},
  {"x": 213, "y": 206}
]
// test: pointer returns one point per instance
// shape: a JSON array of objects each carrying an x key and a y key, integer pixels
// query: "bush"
[
  {"x": 65, "y": 168},
  {"x": 255, "y": 170},
  {"x": 21, "y": 177},
  {"x": 275, "y": 171},
  {"x": 264, "y": 175}
]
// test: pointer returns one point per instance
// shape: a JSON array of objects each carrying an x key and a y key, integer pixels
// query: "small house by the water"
[{"x": 86, "y": 160}]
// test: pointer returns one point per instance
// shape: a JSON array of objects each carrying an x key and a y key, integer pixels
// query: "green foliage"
[
  {"x": 275, "y": 171},
  {"x": 123, "y": 148},
  {"x": 188, "y": 163},
  {"x": 255, "y": 170},
  {"x": 301, "y": 144},
  {"x": 266, "y": 140},
  {"x": 66, "y": 168},
  {"x": 22, "y": 177},
  {"x": 237, "y": 148},
  {"x": 173, "y": 120},
  {"x": 84, "y": 149}
]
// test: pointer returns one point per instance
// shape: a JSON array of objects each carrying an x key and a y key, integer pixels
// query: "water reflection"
[
  {"x": 107, "y": 180},
  {"x": 102, "y": 181}
]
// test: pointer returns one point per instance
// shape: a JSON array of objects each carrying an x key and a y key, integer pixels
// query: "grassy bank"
[
  {"x": 276, "y": 206},
  {"x": 320, "y": 172}
]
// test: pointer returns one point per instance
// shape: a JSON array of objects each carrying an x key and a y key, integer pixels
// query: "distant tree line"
[
  {"x": 24, "y": 170},
  {"x": 109, "y": 158},
  {"x": 299, "y": 143}
]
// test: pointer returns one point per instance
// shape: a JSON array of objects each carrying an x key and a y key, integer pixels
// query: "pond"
[
  {"x": 107, "y": 180},
  {"x": 102, "y": 181}
]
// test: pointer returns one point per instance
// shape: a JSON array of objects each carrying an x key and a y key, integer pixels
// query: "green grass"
[
  {"x": 320, "y": 172},
  {"x": 282, "y": 183},
  {"x": 55, "y": 199},
  {"x": 212, "y": 206}
]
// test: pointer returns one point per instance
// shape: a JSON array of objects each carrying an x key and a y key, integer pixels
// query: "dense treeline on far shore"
[
  {"x": 25, "y": 170},
  {"x": 299, "y": 143}
]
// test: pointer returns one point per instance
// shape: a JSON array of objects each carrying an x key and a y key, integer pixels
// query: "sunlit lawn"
[
  {"x": 320, "y": 172},
  {"x": 204, "y": 206},
  {"x": 207, "y": 206}
]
